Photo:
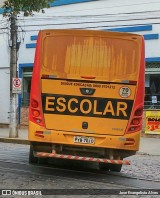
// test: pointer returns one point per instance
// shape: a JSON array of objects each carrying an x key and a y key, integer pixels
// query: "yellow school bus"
[{"x": 87, "y": 96}]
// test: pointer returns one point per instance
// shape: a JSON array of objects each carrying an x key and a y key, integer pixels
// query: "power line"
[
  {"x": 94, "y": 27},
  {"x": 81, "y": 16},
  {"x": 89, "y": 22}
]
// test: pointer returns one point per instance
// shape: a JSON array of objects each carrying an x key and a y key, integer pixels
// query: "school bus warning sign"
[
  {"x": 152, "y": 122},
  {"x": 16, "y": 85}
]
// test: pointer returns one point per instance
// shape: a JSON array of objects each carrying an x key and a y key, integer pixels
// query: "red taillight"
[
  {"x": 139, "y": 112},
  {"x": 34, "y": 103},
  {"x": 88, "y": 77},
  {"x": 135, "y": 121},
  {"x": 36, "y": 114}
]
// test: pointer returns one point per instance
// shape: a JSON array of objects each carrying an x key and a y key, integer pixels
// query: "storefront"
[{"x": 152, "y": 85}]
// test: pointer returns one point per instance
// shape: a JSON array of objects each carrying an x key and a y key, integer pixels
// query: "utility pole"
[{"x": 13, "y": 125}]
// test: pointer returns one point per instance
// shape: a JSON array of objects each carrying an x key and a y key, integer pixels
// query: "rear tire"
[
  {"x": 104, "y": 166},
  {"x": 115, "y": 167},
  {"x": 43, "y": 160},
  {"x": 32, "y": 158}
]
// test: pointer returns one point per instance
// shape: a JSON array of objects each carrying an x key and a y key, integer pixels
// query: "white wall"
[
  {"x": 4, "y": 73},
  {"x": 4, "y": 95},
  {"x": 102, "y": 14}
]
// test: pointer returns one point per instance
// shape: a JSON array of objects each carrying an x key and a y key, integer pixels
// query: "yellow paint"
[
  {"x": 102, "y": 141},
  {"x": 106, "y": 56}
]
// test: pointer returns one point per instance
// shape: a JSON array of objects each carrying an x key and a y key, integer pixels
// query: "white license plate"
[{"x": 84, "y": 140}]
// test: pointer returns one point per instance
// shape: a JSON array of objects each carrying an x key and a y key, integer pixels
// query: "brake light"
[
  {"x": 139, "y": 112},
  {"x": 88, "y": 77},
  {"x": 136, "y": 121},
  {"x": 34, "y": 103}
]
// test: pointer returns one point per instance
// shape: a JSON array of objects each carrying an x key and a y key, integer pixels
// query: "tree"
[{"x": 11, "y": 9}]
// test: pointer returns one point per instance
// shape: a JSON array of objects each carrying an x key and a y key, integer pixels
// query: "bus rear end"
[{"x": 87, "y": 96}]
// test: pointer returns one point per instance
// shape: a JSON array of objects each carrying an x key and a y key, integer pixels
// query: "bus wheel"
[
  {"x": 104, "y": 166},
  {"x": 32, "y": 158},
  {"x": 43, "y": 160},
  {"x": 116, "y": 167}
]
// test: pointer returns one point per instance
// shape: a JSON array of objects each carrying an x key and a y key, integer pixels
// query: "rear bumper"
[
  {"x": 126, "y": 142},
  {"x": 89, "y": 159}
]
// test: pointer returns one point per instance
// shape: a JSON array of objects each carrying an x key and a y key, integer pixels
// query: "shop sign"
[{"x": 152, "y": 122}]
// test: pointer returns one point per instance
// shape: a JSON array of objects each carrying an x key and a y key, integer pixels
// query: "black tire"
[
  {"x": 104, "y": 166},
  {"x": 32, "y": 158},
  {"x": 43, "y": 160},
  {"x": 115, "y": 167}
]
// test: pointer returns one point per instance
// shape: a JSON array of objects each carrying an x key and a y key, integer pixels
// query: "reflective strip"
[{"x": 54, "y": 155}]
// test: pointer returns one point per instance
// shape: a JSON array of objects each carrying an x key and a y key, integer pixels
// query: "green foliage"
[{"x": 26, "y": 6}]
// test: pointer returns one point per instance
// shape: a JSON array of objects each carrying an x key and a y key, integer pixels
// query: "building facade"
[{"x": 138, "y": 16}]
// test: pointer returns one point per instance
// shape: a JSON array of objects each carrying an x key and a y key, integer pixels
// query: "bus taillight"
[
  {"x": 139, "y": 112},
  {"x": 136, "y": 121},
  {"x": 36, "y": 112},
  {"x": 34, "y": 103}
]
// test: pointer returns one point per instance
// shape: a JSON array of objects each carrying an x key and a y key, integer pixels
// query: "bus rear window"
[{"x": 106, "y": 58}]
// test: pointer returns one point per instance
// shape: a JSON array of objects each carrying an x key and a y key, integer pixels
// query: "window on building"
[
  {"x": 152, "y": 86},
  {"x": 27, "y": 75}
]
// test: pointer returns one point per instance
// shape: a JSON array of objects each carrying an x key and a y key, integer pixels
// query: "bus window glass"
[{"x": 106, "y": 58}]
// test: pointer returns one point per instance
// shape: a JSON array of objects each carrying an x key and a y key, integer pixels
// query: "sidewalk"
[
  {"x": 22, "y": 136},
  {"x": 150, "y": 146}
]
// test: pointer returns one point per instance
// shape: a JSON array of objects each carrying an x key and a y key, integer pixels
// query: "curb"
[
  {"x": 149, "y": 154},
  {"x": 14, "y": 140}
]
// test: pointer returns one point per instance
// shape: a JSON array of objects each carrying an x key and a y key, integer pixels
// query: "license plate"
[{"x": 84, "y": 140}]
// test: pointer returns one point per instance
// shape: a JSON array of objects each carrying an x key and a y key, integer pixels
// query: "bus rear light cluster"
[
  {"x": 35, "y": 111},
  {"x": 135, "y": 124}
]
